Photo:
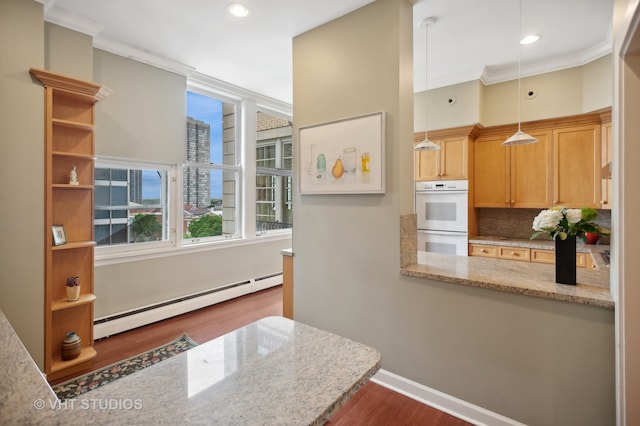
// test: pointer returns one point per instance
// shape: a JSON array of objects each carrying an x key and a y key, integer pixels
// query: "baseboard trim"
[
  {"x": 441, "y": 401},
  {"x": 128, "y": 320}
]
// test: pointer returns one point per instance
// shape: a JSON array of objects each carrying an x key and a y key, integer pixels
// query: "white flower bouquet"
[{"x": 562, "y": 222}]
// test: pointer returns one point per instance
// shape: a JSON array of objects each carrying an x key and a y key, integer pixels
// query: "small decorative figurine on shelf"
[
  {"x": 73, "y": 177},
  {"x": 73, "y": 289}
]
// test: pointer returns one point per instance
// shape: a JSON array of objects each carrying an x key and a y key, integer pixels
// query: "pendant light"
[
  {"x": 520, "y": 137},
  {"x": 426, "y": 144}
]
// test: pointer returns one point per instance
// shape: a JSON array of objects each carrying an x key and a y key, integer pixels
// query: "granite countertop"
[
  {"x": 286, "y": 252},
  {"x": 273, "y": 371},
  {"x": 512, "y": 276}
]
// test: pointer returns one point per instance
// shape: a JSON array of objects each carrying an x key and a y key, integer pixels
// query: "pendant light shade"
[
  {"x": 426, "y": 144},
  {"x": 520, "y": 137}
]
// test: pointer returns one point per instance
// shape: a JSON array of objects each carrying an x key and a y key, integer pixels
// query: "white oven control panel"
[{"x": 443, "y": 185}]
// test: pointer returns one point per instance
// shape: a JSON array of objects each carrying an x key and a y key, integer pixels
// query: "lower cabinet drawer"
[
  {"x": 483, "y": 250},
  {"x": 549, "y": 256},
  {"x": 514, "y": 253},
  {"x": 543, "y": 256}
]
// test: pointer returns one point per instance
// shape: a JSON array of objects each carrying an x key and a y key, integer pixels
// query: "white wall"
[
  {"x": 22, "y": 172},
  {"x": 541, "y": 362}
]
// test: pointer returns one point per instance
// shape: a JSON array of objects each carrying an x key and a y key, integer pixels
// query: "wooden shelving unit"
[{"x": 69, "y": 142}]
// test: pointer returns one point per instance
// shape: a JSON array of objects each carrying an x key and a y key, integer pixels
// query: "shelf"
[
  {"x": 73, "y": 124},
  {"x": 87, "y": 354},
  {"x": 74, "y": 245},
  {"x": 64, "y": 304},
  {"x": 73, "y": 155},
  {"x": 68, "y": 186}
]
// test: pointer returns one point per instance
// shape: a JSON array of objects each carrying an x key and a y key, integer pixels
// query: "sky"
[
  {"x": 209, "y": 110},
  {"x": 205, "y": 109}
]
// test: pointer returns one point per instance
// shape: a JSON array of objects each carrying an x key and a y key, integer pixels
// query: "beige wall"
[
  {"x": 538, "y": 361},
  {"x": 443, "y": 113},
  {"x": 561, "y": 93},
  {"x": 22, "y": 172},
  {"x": 68, "y": 52}
]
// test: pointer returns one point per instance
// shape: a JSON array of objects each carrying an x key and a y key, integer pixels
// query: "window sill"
[{"x": 123, "y": 256}]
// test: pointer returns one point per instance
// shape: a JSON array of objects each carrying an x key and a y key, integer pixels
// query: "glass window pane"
[
  {"x": 210, "y": 192},
  {"x": 273, "y": 192},
  {"x": 120, "y": 205}
]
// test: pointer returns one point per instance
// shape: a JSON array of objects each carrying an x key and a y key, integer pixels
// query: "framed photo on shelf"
[
  {"x": 344, "y": 156},
  {"x": 59, "y": 237}
]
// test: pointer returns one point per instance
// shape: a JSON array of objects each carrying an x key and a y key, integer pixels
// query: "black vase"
[{"x": 566, "y": 260}]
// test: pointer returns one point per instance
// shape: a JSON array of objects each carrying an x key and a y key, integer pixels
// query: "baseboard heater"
[{"x": 128, "y": 320}]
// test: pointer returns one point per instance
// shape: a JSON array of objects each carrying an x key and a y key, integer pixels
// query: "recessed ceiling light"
[
  {"x": 238, "y": 9},
  {"x": 532, "y": 38}
]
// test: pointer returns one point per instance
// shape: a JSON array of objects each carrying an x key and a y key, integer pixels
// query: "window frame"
[
  {"x": 247, "y": 105},
  {"x": 119, "y": 250}
]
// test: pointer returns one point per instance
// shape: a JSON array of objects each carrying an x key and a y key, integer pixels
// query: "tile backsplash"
[{"x": 516, "y": 223}]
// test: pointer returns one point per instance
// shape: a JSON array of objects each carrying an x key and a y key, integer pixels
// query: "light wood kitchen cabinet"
[
  {"x": 454, "y": 158},
  {"x": 605, "y": 169},
  {"x": 536, "y": 255},
  {"x": 483, "y": 250},
  {"x": 69, "y": 145},
  {"x": 450, "y": 162},
  {"x": 500, "y": 252},
  {"x": 514, "y": 253},
  {"x": 516, "y": 176},
  {"x": 576, "y": 166},
  {"x": 583, "y": 260}
]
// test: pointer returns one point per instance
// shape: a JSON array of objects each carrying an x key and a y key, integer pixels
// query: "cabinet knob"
[
  {"x": 603, "y": 202},
  {"x": 513, "y": 253},
  {"x": 483, "y": 251},
  {"x": 555, "y": 201}
]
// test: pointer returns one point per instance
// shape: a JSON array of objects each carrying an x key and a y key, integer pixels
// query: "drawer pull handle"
[{"x": 483, "y": 251}]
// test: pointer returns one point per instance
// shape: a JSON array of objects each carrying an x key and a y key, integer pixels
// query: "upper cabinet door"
[
  {"x": 491, "y": 180},
  {"x": 450, "y": 162},
  {"x": 576, "y": 166},
  {"x": 454, "y": 161},
  {"x": 531, "y": 173}
]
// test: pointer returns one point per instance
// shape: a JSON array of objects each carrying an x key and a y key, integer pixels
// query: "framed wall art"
[{"x": 344, "y": 156}]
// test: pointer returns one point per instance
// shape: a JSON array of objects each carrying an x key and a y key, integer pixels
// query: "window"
[
  {"x": 274, "y": 173},
  {"x": 211, "y": 175},
  {"x": 130, "y": 205}
]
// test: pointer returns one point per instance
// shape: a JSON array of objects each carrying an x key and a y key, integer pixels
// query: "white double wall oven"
[{"x": 442, "y": 211}]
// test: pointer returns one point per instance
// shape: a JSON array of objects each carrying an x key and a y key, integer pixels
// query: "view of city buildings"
[{"x": 122, "y": 195}]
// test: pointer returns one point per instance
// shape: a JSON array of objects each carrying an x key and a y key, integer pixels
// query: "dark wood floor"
[{"x": 372, "y": 405}]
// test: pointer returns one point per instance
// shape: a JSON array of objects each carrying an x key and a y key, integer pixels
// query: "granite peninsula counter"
[
  {"x": 533, "y": 279},
  {"x": 527, "y": 278},
  {"x": 273, "y": 371}
]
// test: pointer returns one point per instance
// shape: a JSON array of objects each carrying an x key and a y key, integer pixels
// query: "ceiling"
[{"x": 470, "y": 40}]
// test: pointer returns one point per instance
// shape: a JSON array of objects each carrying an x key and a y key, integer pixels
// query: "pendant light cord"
[{"x": 519, "y": 61}]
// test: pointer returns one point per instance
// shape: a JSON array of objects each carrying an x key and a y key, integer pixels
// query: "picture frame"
[
  {"x": 59, "y": 236},
  {"x": 345, "y": 156}
]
